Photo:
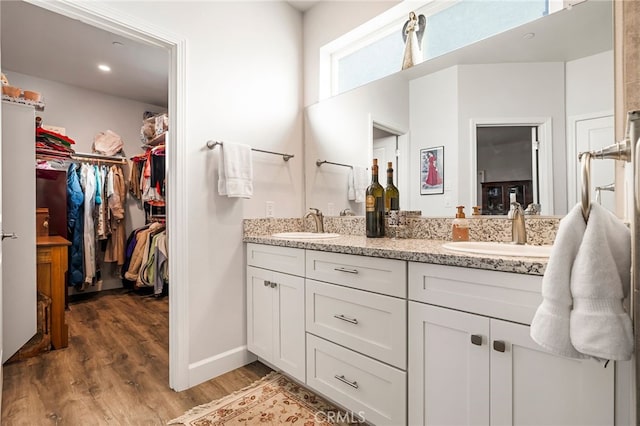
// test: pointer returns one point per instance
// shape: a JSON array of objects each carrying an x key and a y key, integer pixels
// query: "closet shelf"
[{"x": 39, "y": 105}]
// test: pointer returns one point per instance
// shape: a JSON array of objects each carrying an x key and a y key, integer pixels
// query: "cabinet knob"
[
  {"x": 267, "y": 283},
  {"x": 476, "y": 339},
  {"x": 274, "y": 285},
  {"x": 499, "y": 345}
]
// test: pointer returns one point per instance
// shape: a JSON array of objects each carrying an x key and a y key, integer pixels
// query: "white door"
[
  {"x": 289, "y": 342},
  {"x": 260, "y": 326},
  {"x": 593, "y": 133},
  {"x": 530, "y": 386},
  {"x": 448, "y": 367},
  {"x": 19, "y": 254}
]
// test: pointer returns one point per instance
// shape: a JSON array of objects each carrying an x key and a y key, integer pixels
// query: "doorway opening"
[
  {"x": 131, "y": 28},
  {"x": 507, "y": 163},
  {"x": 511, "y": 155}
]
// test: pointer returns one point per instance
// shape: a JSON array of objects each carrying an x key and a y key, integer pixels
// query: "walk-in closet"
[{"x": 91, "y": 171}]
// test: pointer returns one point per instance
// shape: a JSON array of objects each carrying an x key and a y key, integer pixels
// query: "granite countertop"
[{"x": 415, "y": 250}]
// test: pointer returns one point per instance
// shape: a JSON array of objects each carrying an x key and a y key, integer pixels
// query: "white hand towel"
[
  {"x": 360, "y": 182},
  {"x": 351, "y": 188},
  {"x": 235, "y": 170},
  {"x": 550, "y": 325},
  {"x": 600, "y": 280}
]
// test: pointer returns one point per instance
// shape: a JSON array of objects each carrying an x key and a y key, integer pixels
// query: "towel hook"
[{"x": 585, "y": 162}]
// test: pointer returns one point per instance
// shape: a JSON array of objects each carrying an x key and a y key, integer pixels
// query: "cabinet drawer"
[
  {"x": 370, "y": 323},
  {"x": 505, "y": 295},
  {"x": 281, "y": 259},
  {"x": 386, "y": 276},
  {"x": 367, "y": 387}
]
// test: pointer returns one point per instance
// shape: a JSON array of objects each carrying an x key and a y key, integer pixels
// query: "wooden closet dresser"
[{"x": 52, "y": 255}]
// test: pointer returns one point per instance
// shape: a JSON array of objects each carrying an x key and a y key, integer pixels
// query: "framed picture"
[{"x": 432, "y": 170}]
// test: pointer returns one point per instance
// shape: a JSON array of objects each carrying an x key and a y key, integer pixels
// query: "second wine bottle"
[{"x": 374, "y": 209}]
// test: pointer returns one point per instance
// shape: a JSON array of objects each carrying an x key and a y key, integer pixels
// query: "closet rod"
[
  {"x": 81, "y": 156},
  {"x": 320, "y": 163},
  {"x": 285, "y": 157}
]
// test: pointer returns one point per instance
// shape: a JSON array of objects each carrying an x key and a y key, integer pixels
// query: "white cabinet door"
[
  {"x": 275, "y": 319},
  {"x": 260, "y": 312},
  {"x": 530, "y": 386},
  {"x": 448, "y": 367},
  {"x": 19, "y": 217},
  {"x": 289, "y": 344}
]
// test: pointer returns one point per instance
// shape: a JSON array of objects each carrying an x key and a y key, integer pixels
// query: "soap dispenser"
[{"x": 460, "y": 227}]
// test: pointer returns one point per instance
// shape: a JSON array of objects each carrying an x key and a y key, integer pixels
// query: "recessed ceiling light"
[
  {"x": 529, "y": 36},
  {"x": 104, "y": 68}
]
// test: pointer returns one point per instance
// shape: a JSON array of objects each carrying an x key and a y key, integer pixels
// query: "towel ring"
[{"x": 585, "y": 162}]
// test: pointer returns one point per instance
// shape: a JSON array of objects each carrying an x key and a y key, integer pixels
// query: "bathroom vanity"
[{"x": 405, "y": 332}]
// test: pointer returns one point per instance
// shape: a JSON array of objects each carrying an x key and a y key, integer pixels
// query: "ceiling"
[
  {"x": 65, "y": 50},
  {"x": 61, "y": 49}
]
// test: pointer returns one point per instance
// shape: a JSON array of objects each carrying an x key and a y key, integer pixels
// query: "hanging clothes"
[
  {"x": 75, "y": 221},
  {"x": 138, "y": 253},
  {"x": 88, "y": 182},
  {"x": 116, "y": 196}
]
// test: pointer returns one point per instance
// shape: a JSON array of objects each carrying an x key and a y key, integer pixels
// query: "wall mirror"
[{"x": 551, "y": 78}]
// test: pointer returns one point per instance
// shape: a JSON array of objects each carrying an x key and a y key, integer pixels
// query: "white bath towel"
[
  {"x": 360, "y": 182},
  {"x": 551, "y": 323},
  {"x": 600, "y": 281},
  {"x": 235, "y": 170}
]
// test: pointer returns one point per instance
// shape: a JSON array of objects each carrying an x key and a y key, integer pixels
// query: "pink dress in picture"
[{"x": 433, "y": 177}]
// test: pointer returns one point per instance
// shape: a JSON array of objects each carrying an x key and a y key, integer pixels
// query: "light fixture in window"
[{"x": 104, "y": 68}]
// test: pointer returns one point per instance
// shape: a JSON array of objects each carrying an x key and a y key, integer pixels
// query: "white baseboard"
[{"x": 214, "y": 366}]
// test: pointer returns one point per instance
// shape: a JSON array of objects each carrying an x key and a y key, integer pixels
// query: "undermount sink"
[
  {"x": 305, "y": 235},
  {"x": 499, "y": 249}
]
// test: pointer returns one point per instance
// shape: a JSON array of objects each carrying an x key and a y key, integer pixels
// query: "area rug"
[{"x": 272, "y": 400}]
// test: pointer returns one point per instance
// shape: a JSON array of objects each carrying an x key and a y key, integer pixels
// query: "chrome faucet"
[
  {"x": 518, "y": 231},
  {"x": 317, "y": 217}
]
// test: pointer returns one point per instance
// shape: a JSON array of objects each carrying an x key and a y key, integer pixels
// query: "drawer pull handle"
[
  {"x": 347, "y": 319},
  {"x": 343, "y": 380},
  {"x": 476, "y": 339},
  {"x": 350, "y": 271},
  {"x": 499, "y": 345}
]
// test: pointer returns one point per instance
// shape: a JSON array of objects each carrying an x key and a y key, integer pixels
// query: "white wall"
[
  {"x": 518, "y": 90},
  {"x": 339, "y": 129},
  {"x": 434, "y": 105},
  {"x": 589, "y": 84},
  {"x": 244, "y": 84},
  {"x": 443, "y": 104},
  {"x": 325, "y": 22}
]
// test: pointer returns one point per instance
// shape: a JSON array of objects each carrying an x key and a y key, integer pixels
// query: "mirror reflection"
[{"x": 511, "y": 112}]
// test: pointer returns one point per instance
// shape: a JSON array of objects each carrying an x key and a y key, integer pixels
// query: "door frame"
[
  {"x": 109, "y": 19},
  {"x": 545, "y": 155}
]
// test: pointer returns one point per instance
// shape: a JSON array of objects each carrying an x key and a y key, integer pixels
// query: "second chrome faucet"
[{"x": 518, "y": 230}]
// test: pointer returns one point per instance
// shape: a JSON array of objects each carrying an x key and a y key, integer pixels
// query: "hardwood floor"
[{"x": 115, "y": 370}]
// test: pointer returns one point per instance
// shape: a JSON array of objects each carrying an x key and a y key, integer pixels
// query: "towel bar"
[
  {"x": 321, "y": 162},
  {"x": 285, "y": 157}
]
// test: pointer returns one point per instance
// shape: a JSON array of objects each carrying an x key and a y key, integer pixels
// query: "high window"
[{"x": 366, "y": 55}]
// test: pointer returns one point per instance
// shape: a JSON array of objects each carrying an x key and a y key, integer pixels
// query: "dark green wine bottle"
[
  {"x": 374, "y": 215},
  {"x": 391, "y": 193}
]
